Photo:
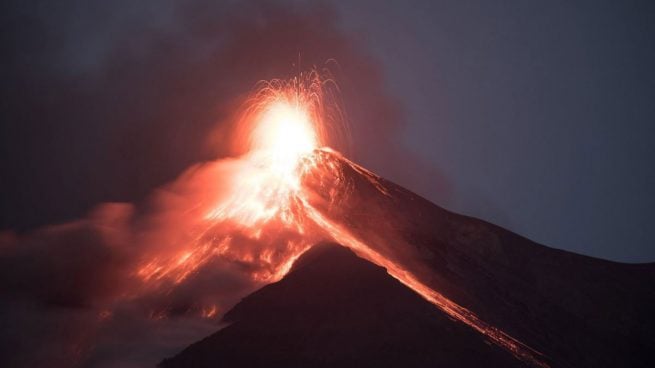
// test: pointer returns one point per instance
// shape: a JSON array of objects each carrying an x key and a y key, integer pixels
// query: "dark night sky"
[
  {"x": 542, "y": 114},
  {"x": 538, "y": 116}
]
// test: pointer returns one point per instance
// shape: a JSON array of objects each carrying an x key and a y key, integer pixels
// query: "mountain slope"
[
  {"x": 337, "y": 310},
  {"x": 576, "y": 310}
]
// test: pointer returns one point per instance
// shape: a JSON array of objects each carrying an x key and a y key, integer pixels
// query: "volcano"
[{"x": 421, "y": 286}]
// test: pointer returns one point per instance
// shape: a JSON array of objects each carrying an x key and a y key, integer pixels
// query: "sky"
[
  {"x": 537, "y": 117},
  {"x": 539, "y": 113}
]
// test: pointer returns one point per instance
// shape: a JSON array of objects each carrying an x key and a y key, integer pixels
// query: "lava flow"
[{"x": 262, "y": 216}]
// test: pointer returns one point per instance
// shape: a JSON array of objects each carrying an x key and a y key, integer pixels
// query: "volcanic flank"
[{"x": 493, "y": 297}]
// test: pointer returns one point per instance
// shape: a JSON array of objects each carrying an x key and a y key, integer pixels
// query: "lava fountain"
[
  {"x": 261, "y": 201},
  {"x": 264, "y": 217}
]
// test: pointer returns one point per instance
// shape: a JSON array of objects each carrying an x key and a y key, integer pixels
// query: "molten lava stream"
[{"x": 344, "y": 237}]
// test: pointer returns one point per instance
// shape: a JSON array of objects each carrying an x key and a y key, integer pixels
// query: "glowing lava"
[
  {"x": 258, "y": 216},
  {"x": 283, "y": 137}
]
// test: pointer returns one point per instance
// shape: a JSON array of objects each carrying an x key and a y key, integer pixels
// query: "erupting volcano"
[
  {"x": 402, "y": 281},
  {"x": 289, "y": 191}
]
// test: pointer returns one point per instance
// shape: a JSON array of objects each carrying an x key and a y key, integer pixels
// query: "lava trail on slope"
[{"x": 331, "y": 187}]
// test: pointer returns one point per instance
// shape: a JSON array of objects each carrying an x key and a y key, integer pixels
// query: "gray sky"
[{"x": 541, "y": 114}]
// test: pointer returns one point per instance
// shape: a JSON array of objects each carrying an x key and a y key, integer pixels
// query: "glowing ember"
[{"x": 209, "y": 312}]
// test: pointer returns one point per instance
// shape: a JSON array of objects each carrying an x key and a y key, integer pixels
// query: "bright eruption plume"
[
  {"x": 280, "y": 128},
  {"x": 263, "y": 214},
  {"x": 286, "y": 133},
  {"x": 260, "y": 201}
]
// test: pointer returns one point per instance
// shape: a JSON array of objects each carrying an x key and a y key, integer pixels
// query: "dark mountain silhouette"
[{"x": 339, "y": 310}]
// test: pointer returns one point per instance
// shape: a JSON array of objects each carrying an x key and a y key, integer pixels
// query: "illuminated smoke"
[{"x": 259, "y": 200}]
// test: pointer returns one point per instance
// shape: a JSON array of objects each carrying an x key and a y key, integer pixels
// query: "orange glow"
[
  {"x": 282, "y": 124},
  {"x": 261, "y": 201},
  {"x": 209, "y": 312}
]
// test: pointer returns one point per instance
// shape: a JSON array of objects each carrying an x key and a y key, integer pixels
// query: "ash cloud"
[{"x": 104, "y": 104}]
